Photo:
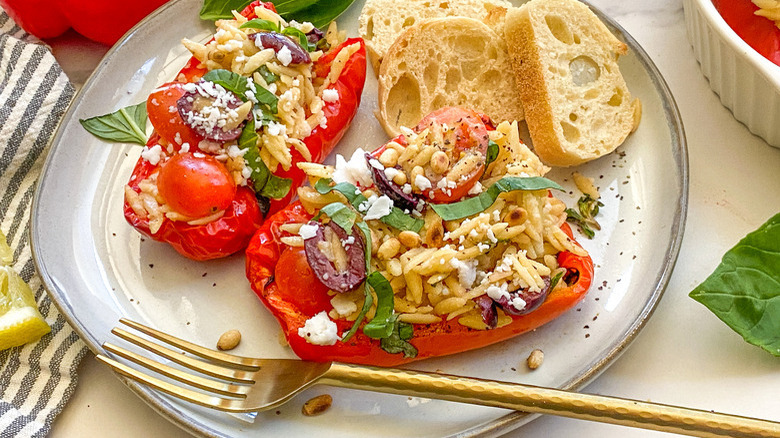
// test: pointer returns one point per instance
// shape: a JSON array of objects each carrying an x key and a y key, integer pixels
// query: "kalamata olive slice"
[
  {"x": 277, "y": 41},
  {"x": 532, "y": 299},
  {"x": 488, "y": 309},
  {"x": 404, "y": 201},
  {"x": 315, "y": 35},
  {"x": 343, "y": 280},
  {"x": 201, "y": 108}
]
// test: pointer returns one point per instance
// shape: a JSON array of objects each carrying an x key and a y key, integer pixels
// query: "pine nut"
[
  {"x": 389, "y": 157},
  {"x": 388, "y": 249},
  {"x": 440, "y": 162},
  {"x": 409, "y": 239},
  {"x": 317, "y": 405},
  {"x": 229, "y": 340},
  {"x": 535, "y": 359}
]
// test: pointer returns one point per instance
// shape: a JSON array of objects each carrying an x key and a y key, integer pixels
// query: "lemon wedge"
[{"x": 20, "y": 320}]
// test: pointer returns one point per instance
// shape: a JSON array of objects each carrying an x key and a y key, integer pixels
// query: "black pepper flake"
[
  {"x": 513, "y": 368},
  {"x": 188, "y": 323},
  {"x": 151, "y": 265},
  {"x": 278, "y": 412},
  {"x": 597, "y": 298},
  {"x": 587, "y": 335},
  {"x": 601, "y": 176},
  {"x": 625, "y": 182},
  {"x": 633, "y": 258},
  {"x": 595, "y": 317},
  {"x": 579, "y": 310},
  {"x": 143, "y": 240},
  {"x": 113, "y": 234},
  {"x": 204, "y": 274},
  {"x": 214, "y": 285},
  {"x": 586, "y": 326},
  {"x": 621, "y": 220},
  {"x": 601, "y": 287}
]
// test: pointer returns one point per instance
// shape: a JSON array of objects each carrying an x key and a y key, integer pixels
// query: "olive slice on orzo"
[
  {"x": 404, "y": 201},
  {"x": 532, "y": 299},
  {"x": 337, "y": 258},
  {"x": 278, "y": 42},
  {"x": 212, "y": 112}
]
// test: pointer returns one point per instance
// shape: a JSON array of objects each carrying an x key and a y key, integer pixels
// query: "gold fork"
[{"x": 243, "y": 384}]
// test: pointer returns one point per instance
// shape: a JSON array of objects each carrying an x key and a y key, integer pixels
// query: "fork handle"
[{"x": 534, "y": 399}]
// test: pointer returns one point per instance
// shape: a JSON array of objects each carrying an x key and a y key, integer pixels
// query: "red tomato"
[
  {"x": 299, "y": 285},
  {"x": 164, "y": 116},
  {"x": 759, "y": 32},
  {"x": 468, "y": 135},
  {"x": 196, "y": 186}
]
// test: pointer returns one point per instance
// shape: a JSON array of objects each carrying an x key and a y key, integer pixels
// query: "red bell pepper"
[
  {"x": 232, "y": 232},
  {"x": 104, "y": 21},
  {"x": 759, "y": 32},
  {"x": 281, "y": 276}
]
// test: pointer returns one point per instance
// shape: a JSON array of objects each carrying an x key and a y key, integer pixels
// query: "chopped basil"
[
  {"x": 492, "y": 153},
  {"x": 319, "y": 12},
  {"x": 228, "y": 80},
  {"x": 482, "y": 202},
  {"x": 398, "y": 341},
  {"x": 264, "y": 183},
  {"x": 585, "y": 217},
  {"x": 744, "y": 290},
  {"x": 261, "y": 24},
  {"x": 127, "y": 125},
  {"x": 381, "y": 326},
  {"x": 268, "y": 99},
  {"x": 554, "y": 281},
  {"x": 303, "y": 41},
  {"x": 396, "y": 219},
  {"x": 369, "y": 299},
  {"x": 268, "y": 76},
  {"x": 342, "y": 215}
]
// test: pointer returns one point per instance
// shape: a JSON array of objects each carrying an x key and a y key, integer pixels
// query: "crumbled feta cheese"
[
  {"x": 497, "y": 292},
  {"x": 391, "y": 172},
  {"x": 319, "y": 330},
  {"x": 491, "y": 236},
  {"x": 307, "y": 231},
  {"x": 284, "y": 55},
  {"x": 177, "y": 138},
  {"x": 185, "y": 147},
  {"x": 235, "y": 152},
  {"x": 330, "y": 95},
  {"x": 518, "y": 303},
  {"x": 476, "y": 189},
  {"x": 348, "y": 241},
  {"x": 422, "y": 182},
  {"x": 380, "y": 208},
  {"x": 355, "y": 171},
  {"x": 153, "y": 155},
  {"x": 343, "y": 305},
  {"x": 407, "y": 188},
  {"x": 276, "y": 129},
  {"x": 467, "y": 271},
  {"x": 376, "y": 164},
  {"x": 483, "y": 246}
]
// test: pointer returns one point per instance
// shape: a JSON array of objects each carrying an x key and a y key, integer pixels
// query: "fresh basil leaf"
[
  {"x": 353, "y": 195},
  {"x": 383, "y": 323},
  {"x": 127, "y": 125},
  {"x": 218, "y": 9},
  {"x": 341, "y": 214},
  {"x": 268, "y": 76},
  {"x": 555, "y": 280},
  {"x": 744, "y": 290},
  {"x": 319, "y": 13},
  {"x": 230, "y": 81},
  {"x": 575, "y": 217},
  {"x": 585, "y": 217},
  {"x": 264, "y": 183},
  {"x": 369, "y": 299},
  {"x": 259, "y": 23},
  {"x": 402, "y": 221},
  {"x": 285, "y": 7},
  {"x": 303, "y": 41},
  {"x": 482, "y": 202},
  {"x": 492, "y": 153},
  {"x": 397, "y": 342},
  {"x": 268, "y": 99}
]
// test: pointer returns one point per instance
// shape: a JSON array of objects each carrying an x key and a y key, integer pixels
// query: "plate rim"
[{"x": 501, "y": 425}]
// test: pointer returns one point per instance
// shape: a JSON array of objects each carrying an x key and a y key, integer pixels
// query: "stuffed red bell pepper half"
[
  {"x": 448, "y": 238},
  {"x": 260, "y": 97}
]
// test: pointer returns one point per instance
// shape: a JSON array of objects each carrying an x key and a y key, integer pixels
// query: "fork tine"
[
  {"x": 221, "y": 388},
  {"x": 176, "y": 391},
  {"x": 189, "y": 362},
  {"x": 249, "y": 363}
]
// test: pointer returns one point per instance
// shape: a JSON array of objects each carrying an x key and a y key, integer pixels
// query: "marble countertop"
[{"x": 684, "y": 355}]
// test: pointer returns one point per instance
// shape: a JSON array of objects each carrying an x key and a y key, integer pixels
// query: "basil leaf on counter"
[
  {"x": 744, "y": 290},
  {"x": 342, "y": 215},
  {"x": 381, "y": 326},
  {"x": 369, "y": 299},
  {"x": 259, "y": 23},
  {"x": 492, "y": 153},
  {"x": 482, "y": 202},
  {"x": 264, "y": 183},
  {"x": 126, "y": 125},
  {"x": 397, "y": 342}
]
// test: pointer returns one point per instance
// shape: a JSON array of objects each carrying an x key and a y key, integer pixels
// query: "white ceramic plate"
[{"x": 98, "y": 269}]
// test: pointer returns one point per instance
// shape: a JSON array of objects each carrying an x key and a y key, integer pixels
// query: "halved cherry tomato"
[
  {"x": 299, "y": 285},
  {"x": 165, "y": 118},
  {"x": 467, "y": 135},
  {"x": 196, "y": 185}
]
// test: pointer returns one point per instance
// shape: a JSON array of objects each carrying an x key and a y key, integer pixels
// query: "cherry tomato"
[
  {"x": 196, "y": 186},
  {"x": 759, "y": 32},
  {"x": 299, "y": 285},
  {"x": 164, "y": 116},
  {"x": 467, "y": 135}
]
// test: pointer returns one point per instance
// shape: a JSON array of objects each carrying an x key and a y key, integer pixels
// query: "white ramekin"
[{"x": 748, "y": 84}]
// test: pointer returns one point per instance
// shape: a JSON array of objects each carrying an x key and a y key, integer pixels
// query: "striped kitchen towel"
[{"x": 37, "y": 379}]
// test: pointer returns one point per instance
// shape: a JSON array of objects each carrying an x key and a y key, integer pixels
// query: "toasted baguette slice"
[
  {"x": 454, "y": 61},
  {"x": 576, "y": 102},
  {"x": 382, "y": 21}
]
